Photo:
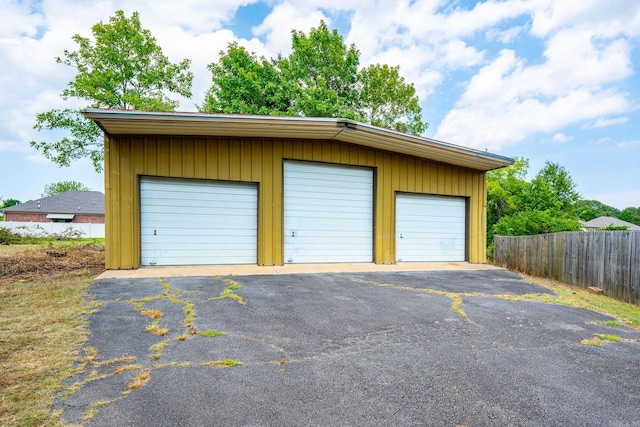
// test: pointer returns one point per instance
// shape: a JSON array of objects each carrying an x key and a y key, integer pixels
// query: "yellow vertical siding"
[{"x": 260, "y": 160}]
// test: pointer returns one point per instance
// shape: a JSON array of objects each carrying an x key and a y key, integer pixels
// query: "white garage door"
[
  {"x": 430, "y": 228},
  {"x": 328, "y": 213},
  {"x": 187, "y": 222}
]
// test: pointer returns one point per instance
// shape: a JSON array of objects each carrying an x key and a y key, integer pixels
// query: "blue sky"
[{"x": 540, "y": 79}]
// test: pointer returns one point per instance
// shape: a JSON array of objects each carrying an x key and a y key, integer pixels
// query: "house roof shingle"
[
  {"x": 605, "y": 221},
  {"x": 69, "y": 202}
]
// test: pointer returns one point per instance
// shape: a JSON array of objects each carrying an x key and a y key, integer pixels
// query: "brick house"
[{"x": 70, "y": 206}]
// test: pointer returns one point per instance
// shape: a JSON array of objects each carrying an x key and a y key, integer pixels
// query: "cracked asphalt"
[{"x": 437, "y": 348}]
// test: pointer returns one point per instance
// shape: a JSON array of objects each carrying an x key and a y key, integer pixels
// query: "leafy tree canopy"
[
  {"x": 9, "y": 202},
  {"x": 530, "y": 222},
  {"x": 122, "y": 67},
  {"x": 631, "y": 215},
  {"x": 546, "y": 204},
  {"x": 62, "y": 186},
  {"x": 320, "y": 78},
  {"x": 590, "y": 209},
  {"x": 553, "y": 189}
]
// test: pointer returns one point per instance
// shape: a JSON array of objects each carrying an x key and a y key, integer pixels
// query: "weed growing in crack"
[
  {"x": 140, "y": 380},
  {"x": 224, "y": 363},
  {"x": 187, "y": 308},
  {"x": 156, "y": 349},
  {"x": 599, "y": 339},
  {"x": 608, "y": 337},
  {"x": 228, "y": 292},
  {"x": 155, "y": 329},
  {"x": 172, "y": 365},
  {"x": 455, "y": 296},
  {"x": 124, "y": 359},
  {"x": 125, "y": 368},
  {"x": 154, "y": 314},
  {"x": 595, "y": 341},
  {"x": 612, "y": 323},
  {"x": 211, "y": 333}
]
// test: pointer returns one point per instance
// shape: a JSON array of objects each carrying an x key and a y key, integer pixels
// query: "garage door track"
[{"x": 439, "y": 348}]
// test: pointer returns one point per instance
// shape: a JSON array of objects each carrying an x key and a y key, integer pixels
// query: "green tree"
[
  {"x": 631, "y": 215},
  {"x": 590, "y": 209},
  {"x": 62, "y": 186},
  {"x": 553, "y": 189},
  {"x": 122, "y": 67},
  {"x": 507, "y": 189},
  {"x": 9, "y": 202},
  {"x": 319, "y": 78},
  {"x": 546, "y": 204},
  {"x": 388, "y": 101},
  {"x": 325, "y": 71},
  {"x": 532, "y": 222},
  {"x": 245, "y": 84}
]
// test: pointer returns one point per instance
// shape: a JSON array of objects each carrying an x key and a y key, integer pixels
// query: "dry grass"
[
  {"x": 12, "y": 249},
  {"x": 40, "y": 262},
  {"x": 628, "y": 314},
  {"x": 140, "y": 380},
  {"x": 42, "y": 299}
]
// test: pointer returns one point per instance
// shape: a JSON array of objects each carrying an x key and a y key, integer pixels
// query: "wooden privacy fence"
[{"x": 609, "y": 260}]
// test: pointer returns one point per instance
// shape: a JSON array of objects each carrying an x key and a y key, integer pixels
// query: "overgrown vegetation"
[
  {"x": 42, "y": 300},
  {"x": 37, "y": 235},
  {"x": 517, "y": 207},
  {"x": 548, "y": 203},
  {"x": 627, "y": 314},
  {"x": 52, "y": 258}
]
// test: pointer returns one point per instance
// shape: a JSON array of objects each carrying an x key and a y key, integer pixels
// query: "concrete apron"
[{"x": 247, "y": 270}]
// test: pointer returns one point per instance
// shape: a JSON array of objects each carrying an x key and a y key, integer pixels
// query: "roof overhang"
[
  {"x": 60, "y": 216},
  {"x": 133, "y": 122}
]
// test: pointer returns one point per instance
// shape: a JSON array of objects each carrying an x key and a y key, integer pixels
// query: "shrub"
[{"x": 7, "y": 236}]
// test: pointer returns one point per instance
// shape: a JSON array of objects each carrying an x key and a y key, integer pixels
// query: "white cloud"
[
  {"x": 509, "y": 100},
  {"x": 561, "y": 138},
  {"x": 505, "y": 36},
  {"x": 17, "y": 18},
  {"x": 600, "y": 141},
  {"x": 277, "y": 26},
  {"x": 38, "y": 159},
  {"x": 601, "y": 123},
  {"x": 628, "y": 144},
  {"x": 603, "y": 18},
  {"x": 12, "y": 146}
]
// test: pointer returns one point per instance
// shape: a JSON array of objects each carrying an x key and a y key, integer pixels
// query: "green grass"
[
  {"x": 211, "y": 333},
  {"x": 224, "y": 363},
  {"x": 627, "y": 314},
  {"x": 609, "y": 337},
  {"x": 228, "y": 292}
]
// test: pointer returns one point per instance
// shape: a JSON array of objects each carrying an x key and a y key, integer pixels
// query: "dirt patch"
[{"x": 46, "y": 261}]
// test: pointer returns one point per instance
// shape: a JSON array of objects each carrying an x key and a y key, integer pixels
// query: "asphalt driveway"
[{"x": 438, "y": 348}]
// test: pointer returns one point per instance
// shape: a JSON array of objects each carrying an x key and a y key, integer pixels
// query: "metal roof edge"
[
  {"x": 436, "y": 142},
  {"x": 342, "y": 128},
  {"x": 103, "y": 113}
]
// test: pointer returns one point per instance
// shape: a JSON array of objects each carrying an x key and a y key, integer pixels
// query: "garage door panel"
[
  {"x": 187, "y": 222},
  {"x": 328, "y": 213},
  {"x": 430, "y": 228}
]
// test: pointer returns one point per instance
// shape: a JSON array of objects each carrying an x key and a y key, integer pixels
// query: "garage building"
[{"x": 194, "y": 188}]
